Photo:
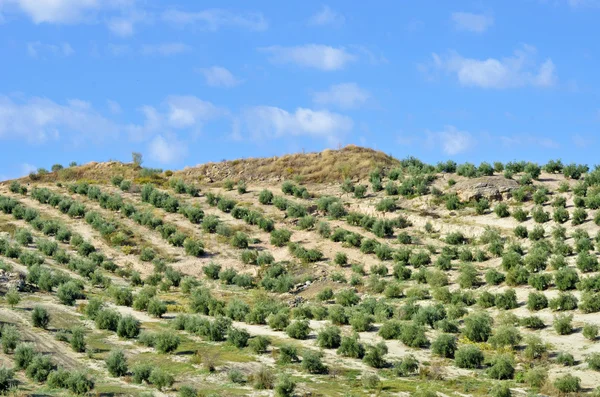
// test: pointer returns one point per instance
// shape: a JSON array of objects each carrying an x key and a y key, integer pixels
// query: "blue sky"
[{"x": 186, "y": 82}]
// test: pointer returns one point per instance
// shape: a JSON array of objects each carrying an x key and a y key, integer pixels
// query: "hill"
[{"x": 345, "y": 272}]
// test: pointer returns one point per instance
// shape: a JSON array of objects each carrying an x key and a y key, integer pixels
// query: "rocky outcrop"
[
  {"x": 489, "y": 187},
  {"x": 10, "y": 280}
]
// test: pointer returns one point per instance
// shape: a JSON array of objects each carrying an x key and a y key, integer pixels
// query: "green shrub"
[
  {"x": 579, "y": 216},
  {"x": 501, "y": 210},
  {"x": 505, "y": 335},
  {"x": 592, "y": 360},
  {"x": 374, "y": 355},
  {"x": 566, "y": 279},
  {"x": 141, "y": 372},
  {"x": 166, "y": 342},
  {"x": 39, "y": 368},
  {"x": 265, "y": 197},
  {"x": 299, "y": 329},
  {"x": 537, "y": 301},
  {"x": 280, "y": 237},
  {"x": 566, "y": 359},
  {"x": 285, "y": 386},
  {"x": 161, "y": 379},
  {"x": 23, "y": 355},
  {"x": 568, "y": 384},
  {"x": 444, "y": 345},
  {"x": 350, "y": 346},
  {"x": 478, "y": 327},
  {"x": 563, "y": 324},
  {"x": 406, "y": 366},
  {"x": 564, "y": 301},
  {"x": 468, "y": 356},
  {"x": 536, "y": 377},
  {"x": 116, "y": 363},
  {"x": 78, "y": 339},
  {"x": 520, "y": 215},
  {"x": 329, "y": 337},
  {"x": 128, "y": 327},
  {"x": 500, "y": 390},
  {"x": 312, "y": 362},
  {"x": 502, "y": 367},
  {"x": 40, "y": 317},
  {"x": 238, "y": 337},
  {"x": 590, "y": 331},
  {"x": 259, "y": 344}
]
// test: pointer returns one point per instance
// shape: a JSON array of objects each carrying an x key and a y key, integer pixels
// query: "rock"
[
  {"x": 489, "y": 187},
  {"x": 14, "y": 280}
]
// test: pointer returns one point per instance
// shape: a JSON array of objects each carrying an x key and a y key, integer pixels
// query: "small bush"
[
  {"x": 501, "y": 210},
  {"x": 116, "y": 363},
  {"x": 563, "y": 324},
  {"x": 161, "y": 379},
  {"x": 444, "y": 346},
  {"x": 40, "y": 317},
  {"x": 568, "y": 384},
  {"x": 298, "y": 329},
  {"x": 469, "y": 356},
  {"x": 502, "y": 367},
  {"x": 590, "y": 331}
]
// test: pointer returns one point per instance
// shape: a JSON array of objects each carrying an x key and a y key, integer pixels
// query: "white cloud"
[
  {"x": 217, "y": 76},
  {"x": 167, "y": 150},
  {"x": 311, "y": 55},
  {"x": 345, "y": 95},
  {"x": 124, "y": 25},
  {"x": 451, "y": 140},
  {"x": 37, "y": 49},
  {"x": 188, "y": 111},
  {"x": 165, "y": 49},
  {"x": 477, "y": 23},
  {"x": 40, "y": 119},
  {"x": 269, "y": 122},
  {"x": 57, "y": 11},
  {"x": 327, "y": 16},
  {"x": 519, "y": 70},
  {"x": 114, "y": 107},
  {"x": 215, "y": 19}
]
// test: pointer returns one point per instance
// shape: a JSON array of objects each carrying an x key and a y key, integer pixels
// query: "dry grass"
[{"x": 322, "y": 167}]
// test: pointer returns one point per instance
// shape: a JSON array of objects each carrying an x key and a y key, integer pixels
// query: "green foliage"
[
  {"x": 374, "y": 355},
  {"x": 299, "y": 329},
  {"x": 78, "y": 339},
  {"x": 329, "y": 337},
  {"x": 23, "y": 355},
  {"x": 478, "y": 327},
  {"x": 590, "y": 331},
  {"x": 280, "y": 237},
  {"x": 501, "y": 210},
  {"x": 116, "y": 363},
  {"x": 502, "y": 367},
  {"x": 468, "y": 356},
  {"x": 128, "y": 327},
  {"x": 39, "y": 368},
  {"x": 563, "y": 324},
  {"x": 40, "y": 317},
  {"x": 312, "y": 362},
  {"x": 568, "y": 383},
  {"x": 161, "y": 379},
  {"x": 444, "y": 346}
]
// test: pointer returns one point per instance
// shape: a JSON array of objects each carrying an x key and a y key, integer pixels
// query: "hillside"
[{"x": 345, "y": 272}]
